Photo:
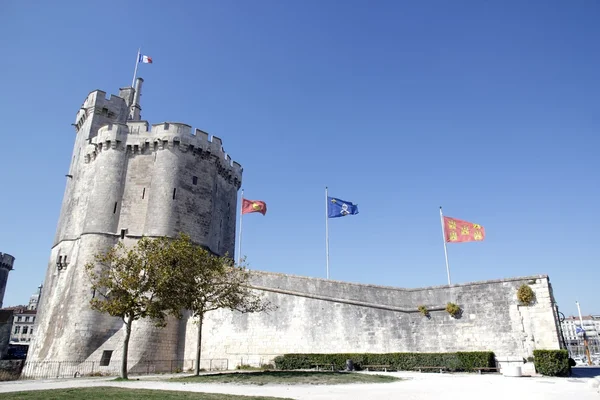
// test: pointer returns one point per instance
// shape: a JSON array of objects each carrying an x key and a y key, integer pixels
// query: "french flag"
[{"x": 145, "y": 59}]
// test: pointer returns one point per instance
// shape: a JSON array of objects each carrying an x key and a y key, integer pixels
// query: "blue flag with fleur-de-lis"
[{"x": 340, "y": 208}]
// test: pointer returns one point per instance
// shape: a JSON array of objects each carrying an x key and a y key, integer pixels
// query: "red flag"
[
  {"x": 458, "y": 231},
  {"x": 251, "y": 206}
]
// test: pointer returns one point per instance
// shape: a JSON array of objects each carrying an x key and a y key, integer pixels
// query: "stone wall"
[{"x": 321, "y": 316}]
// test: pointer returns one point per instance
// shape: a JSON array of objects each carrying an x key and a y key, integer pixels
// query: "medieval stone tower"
[
  {"x": 6, "y": 265},
  {"x": 126, "y": 180}
]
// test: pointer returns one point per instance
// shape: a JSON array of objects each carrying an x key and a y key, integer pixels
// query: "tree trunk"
[
  {"x": 199, "y": 344},
  {"x": 128, "y": 323}
]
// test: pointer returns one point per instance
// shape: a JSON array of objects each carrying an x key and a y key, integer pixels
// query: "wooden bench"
[
  {"x": 322, "y": 366},
  {"x": 490, "y": 369},
  {"x": 385, "y": 367},
  {"x": 442, "y": 369}
]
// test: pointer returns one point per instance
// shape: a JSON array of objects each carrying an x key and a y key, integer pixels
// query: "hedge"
[
  {"x": 552, "y": 362},
  {"x": 459, "y": 361}
]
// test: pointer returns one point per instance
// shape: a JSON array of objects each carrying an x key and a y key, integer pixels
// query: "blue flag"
[{"x": 340, "y": 208}]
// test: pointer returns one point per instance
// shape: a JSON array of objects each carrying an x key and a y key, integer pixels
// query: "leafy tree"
[
  {"x": 211, "y": 283},
  {"x": 133, "y": 283}
]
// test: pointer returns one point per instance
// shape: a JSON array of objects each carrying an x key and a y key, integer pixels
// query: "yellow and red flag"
[
  {"x": 457, "y": 231},
  {"x": 251, "y": 206}
]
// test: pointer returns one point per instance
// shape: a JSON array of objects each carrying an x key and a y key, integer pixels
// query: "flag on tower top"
[
  {"x": 457, "y": 231},
  {"x": 251, "y": 206},
  {"x": 145, "y": 59}
]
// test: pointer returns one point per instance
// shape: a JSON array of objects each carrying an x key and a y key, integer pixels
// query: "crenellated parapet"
[
  {"x": 112, "y": 136},
  {"x": 97, "y": 103},
  {"x": 136, "y": 138},
  {"x": 6, "y": 261}
]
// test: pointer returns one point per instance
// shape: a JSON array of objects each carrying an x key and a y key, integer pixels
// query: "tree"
[
  {"x": 211, "y": 283},
  {"x": 133, "y": 283}
]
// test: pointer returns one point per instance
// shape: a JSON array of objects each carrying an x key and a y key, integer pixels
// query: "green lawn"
[
  {"x": 103, "y": 393},
  {"x": 288, "y": 378}
]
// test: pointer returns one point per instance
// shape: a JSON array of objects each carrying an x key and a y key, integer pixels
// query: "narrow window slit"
[
  {"x": 174, "y": 191},
  {"x": 115, "y": 209}
]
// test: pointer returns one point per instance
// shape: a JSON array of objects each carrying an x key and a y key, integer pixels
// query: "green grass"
[
  {"x": 288, "y": 378},
  {"x": 103, "y": 393}
]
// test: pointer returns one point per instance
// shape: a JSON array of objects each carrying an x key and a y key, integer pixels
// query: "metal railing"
[{"x": 76, "y": 369}]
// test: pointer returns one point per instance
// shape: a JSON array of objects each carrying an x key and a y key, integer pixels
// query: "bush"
[
  {"x": 526, "y": 295},
  {"x": 552, "y": 362},
  {"x": 453, "y": 309},
  {"x": 423, "y": 310},
  {"x": 460, "y": 361},
  {"x": 247, "y": 367}
]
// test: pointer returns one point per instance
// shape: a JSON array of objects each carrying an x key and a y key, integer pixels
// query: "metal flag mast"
[
  {"x": 445, "y": 248},
  {"x": 586, "y": 347},
  {"x": 137, "y": 62},
  {"x": 240, "y": 235},
  {"x": 327, "y": 230}
]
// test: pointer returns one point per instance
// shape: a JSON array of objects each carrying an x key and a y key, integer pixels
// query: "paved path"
[{"x": 416, "y": 387}]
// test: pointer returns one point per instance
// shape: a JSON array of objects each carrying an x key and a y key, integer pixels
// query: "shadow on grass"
[{"x": 289, "y": 378}]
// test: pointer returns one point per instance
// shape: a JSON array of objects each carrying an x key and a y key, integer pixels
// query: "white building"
[
  {"x": 24, "y": 319},
  {"x": 574, "y": 341}
]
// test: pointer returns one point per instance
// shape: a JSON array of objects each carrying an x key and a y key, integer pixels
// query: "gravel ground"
[{"x": 416, "y": 386}]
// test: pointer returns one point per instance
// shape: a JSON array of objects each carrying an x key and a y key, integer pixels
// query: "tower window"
[
  {"x": 174, "y": 191},
  {"x": 123, "y": 232},
  {"x": 195, "y": 180},
  {"x": 105, "y": 360},
  {"x": 143, "y": 193},
  {"x": 115, "y": 209}
]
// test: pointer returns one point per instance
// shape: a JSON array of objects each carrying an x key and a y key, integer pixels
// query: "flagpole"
[
  {"x": 240, "y": 236},
  {"x": 137, "y": 62},
  {"x": 445, "y": 248},
  {"x": 326, "y": 231}
]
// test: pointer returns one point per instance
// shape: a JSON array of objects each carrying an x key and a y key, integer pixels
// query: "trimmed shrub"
[
  {"x": 471, "y": 360},
  {"x": 526, "y": 295},
  {"x": 552, "y": 362},
  {"x": 460, "y": 361}
]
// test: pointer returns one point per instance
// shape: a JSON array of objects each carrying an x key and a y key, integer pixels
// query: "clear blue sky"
[{"x": 489, "y": 109}]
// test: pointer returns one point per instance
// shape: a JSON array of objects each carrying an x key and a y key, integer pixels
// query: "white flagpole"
[
  {"x": 445, "y": 248},
  {"x": 327, "y": 230},
  {"x": 240, "y": 236},
  {"x": 137, "y": 62}
]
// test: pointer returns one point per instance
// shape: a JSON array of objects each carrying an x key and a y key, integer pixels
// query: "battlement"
[
  {"x": 137, "y": 138},
  {"x": 96, "y": 102},
  {"x": 6, "y": 261}
]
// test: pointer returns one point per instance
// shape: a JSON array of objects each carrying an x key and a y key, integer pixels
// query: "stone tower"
[
  {"x": 6, "y": 265},
  {"x": 126, "y": 180}
]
